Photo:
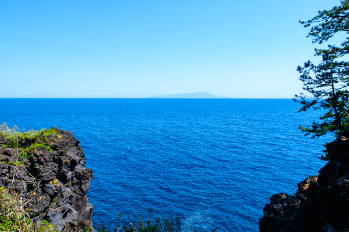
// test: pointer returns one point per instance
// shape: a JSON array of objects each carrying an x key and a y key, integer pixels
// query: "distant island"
[{"x": 189, "y": 95}]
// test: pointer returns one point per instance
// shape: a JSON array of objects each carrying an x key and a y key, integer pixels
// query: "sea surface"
[{"x": 211, "y": 162}]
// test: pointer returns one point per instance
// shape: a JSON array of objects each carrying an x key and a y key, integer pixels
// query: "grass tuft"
[{"x": 14, "y": 217}]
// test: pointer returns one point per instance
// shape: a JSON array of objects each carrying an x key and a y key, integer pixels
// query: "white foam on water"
[{"x": 200, "y": 221}]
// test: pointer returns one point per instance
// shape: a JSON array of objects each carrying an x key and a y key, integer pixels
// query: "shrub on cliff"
[
  {"x": 14, "y": 135},
  {"x": 15, "y": 217},
  {"x": 197, "y": 223}
]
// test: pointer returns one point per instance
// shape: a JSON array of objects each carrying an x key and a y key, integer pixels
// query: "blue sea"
[{"x": 211, "y": 162}]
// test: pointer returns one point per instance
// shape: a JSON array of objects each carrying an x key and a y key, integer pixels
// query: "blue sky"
[{"x": 109, "y": 48}]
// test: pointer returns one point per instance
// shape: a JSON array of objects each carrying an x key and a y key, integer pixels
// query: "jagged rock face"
[
  {"x": 321, "y": 202},
  {"x": 55, "y": 180}
]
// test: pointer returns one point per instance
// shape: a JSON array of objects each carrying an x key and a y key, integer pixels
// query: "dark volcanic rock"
[
  {"x": 53, "y": 176},
  {"x": 10, "y": 155},
  {"x": 321, "y": 202}
]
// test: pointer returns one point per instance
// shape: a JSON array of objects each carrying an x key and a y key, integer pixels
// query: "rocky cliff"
[
  {"x": 49, "y": 171},
  {"x": 321, "y": 202}
]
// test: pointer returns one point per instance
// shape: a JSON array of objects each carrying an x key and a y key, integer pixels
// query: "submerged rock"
[
  {"x": 50, "y": 171},
  {"x": 321, "y": 202}
]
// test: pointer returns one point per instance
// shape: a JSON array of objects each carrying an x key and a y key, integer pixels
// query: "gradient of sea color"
[{"x": 212, "y": 162}]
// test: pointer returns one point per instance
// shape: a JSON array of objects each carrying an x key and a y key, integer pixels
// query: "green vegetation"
[
  {"x": 14, "y": 217},
  {"x": 327, "y": 83},
  {"x": 24, "y": 154},
  {"x": 37, "y": 139},
  {"x": 42, "y": 138},
  {"x": 18, "y": 163},
  {"x": 49, "y": 132},
  {"x": 30, "y": 150},
  {"x": 14, "y": 135},
  {"x": 127, "y": 224}
]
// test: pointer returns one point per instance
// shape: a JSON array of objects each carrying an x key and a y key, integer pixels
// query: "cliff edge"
[
  {"x": 49, "y": 171},
  {"x": 321, "y": 202}
]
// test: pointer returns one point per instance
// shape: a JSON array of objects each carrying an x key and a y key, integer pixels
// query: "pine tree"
[{"x": 328, "y": 81}]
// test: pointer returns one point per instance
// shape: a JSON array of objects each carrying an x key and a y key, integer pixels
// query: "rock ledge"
[
  {"x": 50, "y": 171},
  {"x": 321, "y": 202}
]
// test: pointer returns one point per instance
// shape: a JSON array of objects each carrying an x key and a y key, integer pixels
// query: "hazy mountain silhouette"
[{"x": 189, "y": 95}]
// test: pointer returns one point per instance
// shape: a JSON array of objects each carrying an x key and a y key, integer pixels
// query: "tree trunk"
[{"x": 334, "y": 105}]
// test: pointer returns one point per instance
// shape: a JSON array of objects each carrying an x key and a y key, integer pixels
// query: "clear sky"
[{"x": 110, "y": 48}]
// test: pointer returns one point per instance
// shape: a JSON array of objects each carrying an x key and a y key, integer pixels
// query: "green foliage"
[
  {"x": 17, "y": 163},
  {"x": 327, "y": 82},
  {"x": 14, "y": 135},
  {"x": 98, "y": 228},
  {"x": 24, "y": 154},
  {"x": 127, "y": 224},
  {"x": 49, "y": 132},
  {"x": 13, "y": 216},
  {"x": 30, "y": 150},
  {"x": 329, "y": 22},
  {"x": 150, "y": 228}
]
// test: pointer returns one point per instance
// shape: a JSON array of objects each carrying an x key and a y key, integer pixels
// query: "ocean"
[{"x": 211, "y": 162}]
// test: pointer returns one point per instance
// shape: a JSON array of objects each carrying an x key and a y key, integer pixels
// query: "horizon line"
[{"x": 140, "y": 98}]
